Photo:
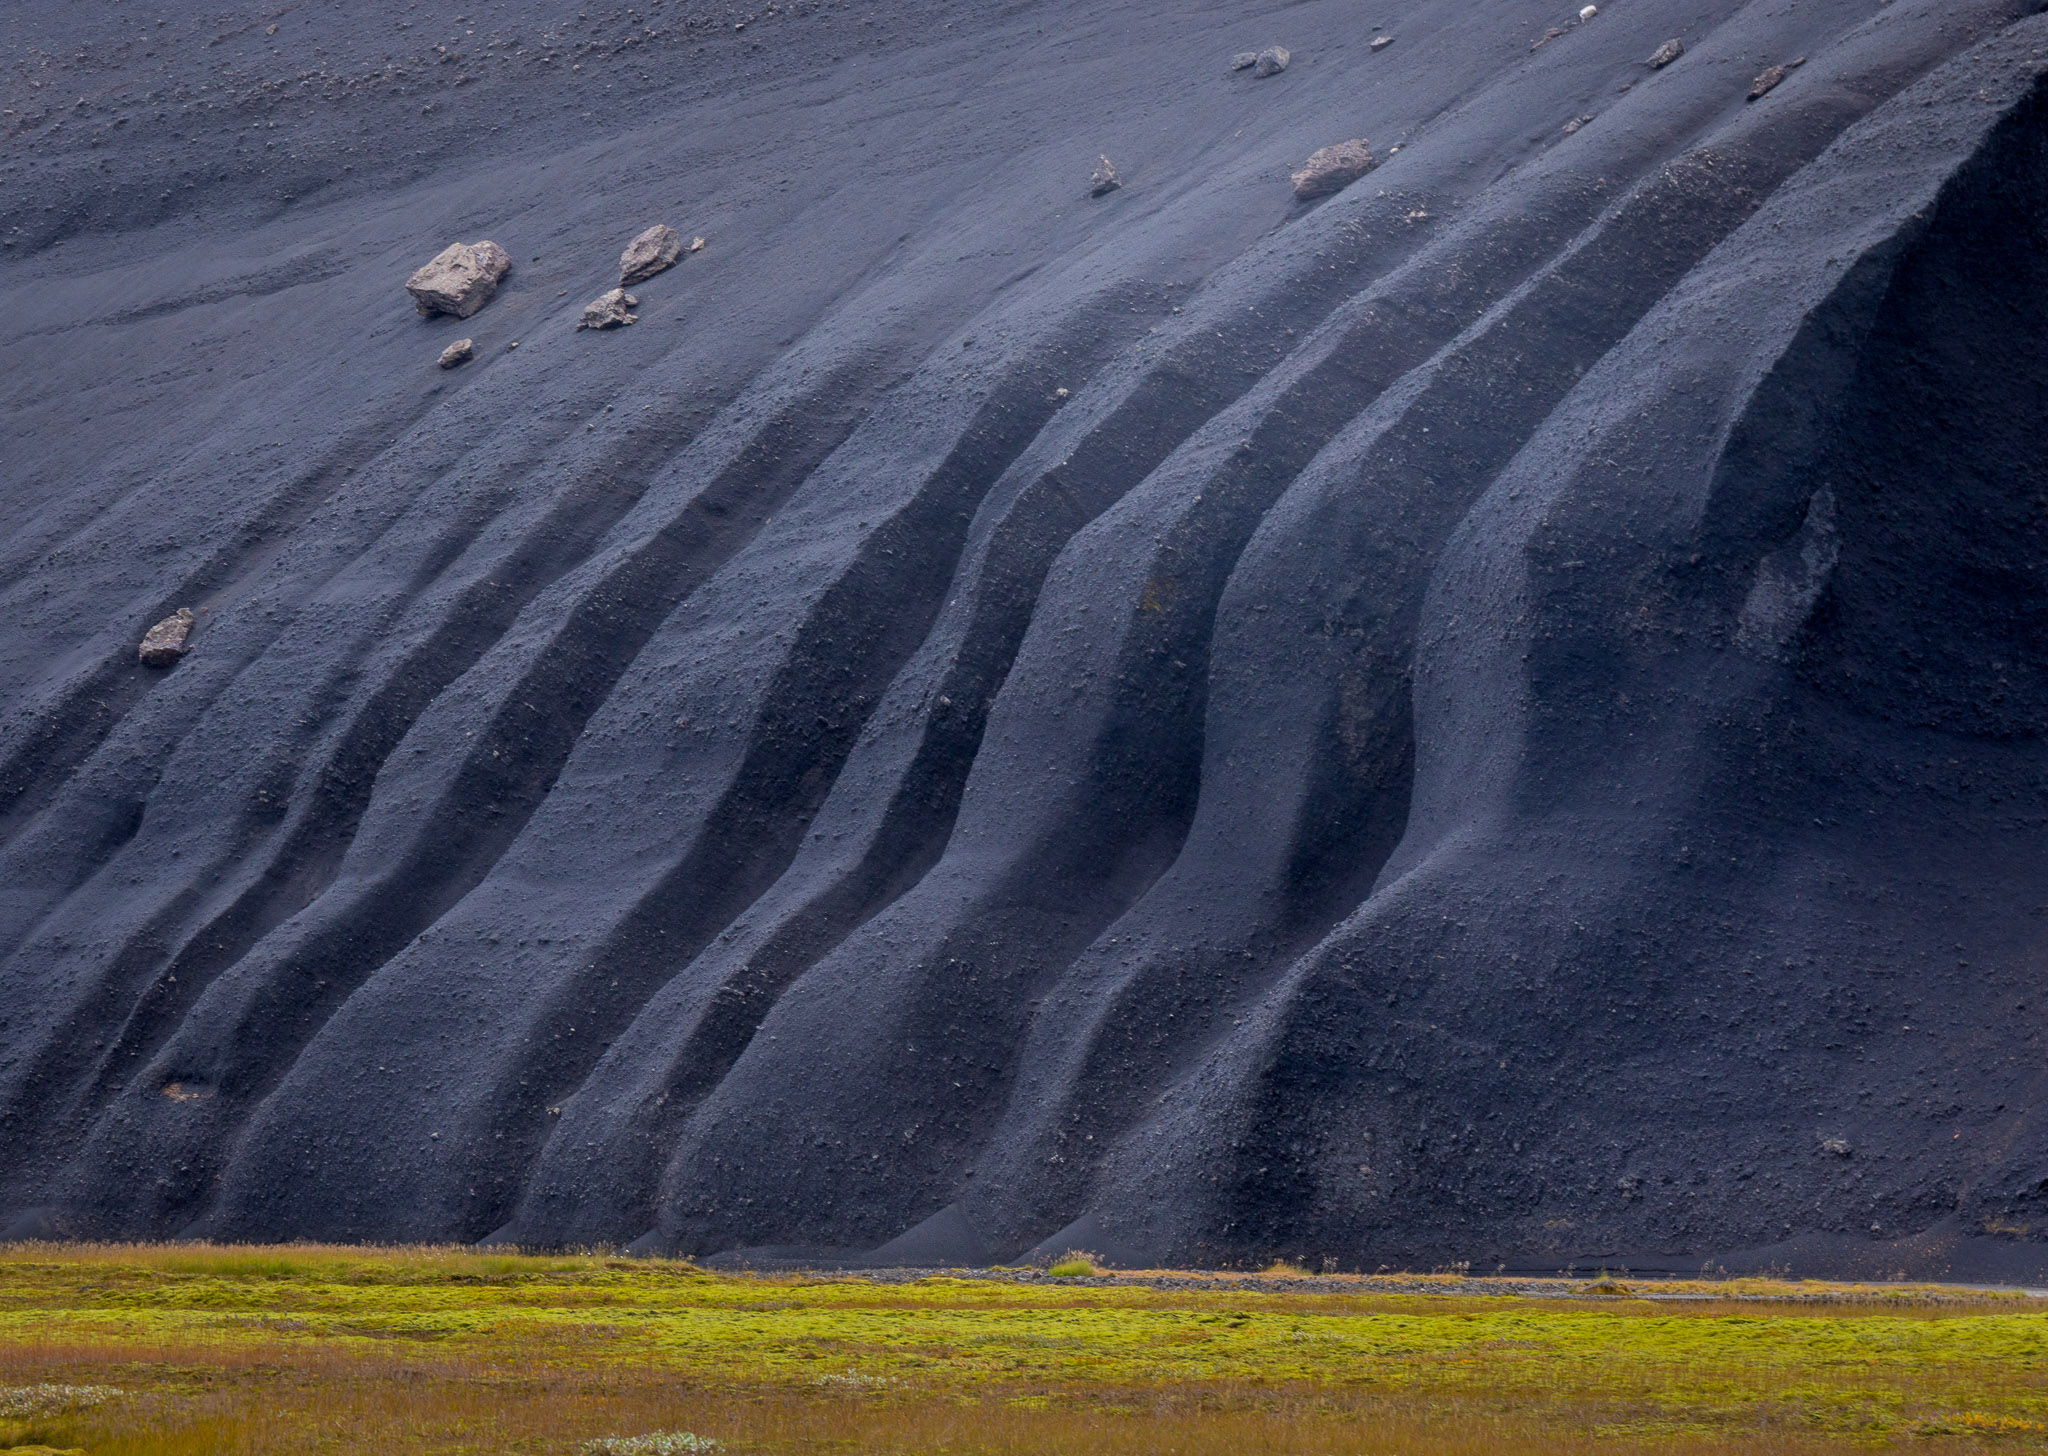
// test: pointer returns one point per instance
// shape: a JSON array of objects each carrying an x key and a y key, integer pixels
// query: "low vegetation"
[{"x": 194, "y": 1351}]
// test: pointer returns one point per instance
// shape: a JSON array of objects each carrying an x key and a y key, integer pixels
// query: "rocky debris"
[
  {"x": 1666, "y": 53},
  {"x": 459, "y": 352},
  {"x": 1588, "y": 13},
  {"x": 166, "y": 642},
  {"x": 1766, "y": 80},
  {"x": 610, "y": 310},
  {"x": 654, "y": 251},
  {"x": 1105, "y": 180},
  {"x": 1575, "y": 123},
  {"x": 460, "y": 279},
  {"x": 1332, "y": 169},
  {"x": 1272, "y": 61},
  {"x": 1381, "y": 42},
  {"x": 696, "y": 245},
  {"x": 1243, "y": 59},
  {"x": 1545, "y": 39}
]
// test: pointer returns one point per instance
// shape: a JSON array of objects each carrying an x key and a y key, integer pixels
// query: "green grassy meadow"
[{"x": 181, "y": 1350}]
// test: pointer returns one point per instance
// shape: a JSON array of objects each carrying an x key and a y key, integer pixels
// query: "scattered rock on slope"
[
  {"x": 460, "y": 279},
  {"x": 611, "y": 309},
  {"x": 1332, "y": 169},
  {"x": 459, "y": 352},
  {"x": 1666, "y": 53},
  {"x": 166, "y": 642},
  {"x": 1765, "y": 80},
  {"x": 652, "y": 252},
  {"x": 1272, "y": 61},
  {"x": 1105, "y": 179},
  {"x": 1381, "y": 42},
  {"x": 1243, "y": 59}
]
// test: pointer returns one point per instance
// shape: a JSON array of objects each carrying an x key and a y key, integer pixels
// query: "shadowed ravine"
[{"x": 1496, "y": 715}]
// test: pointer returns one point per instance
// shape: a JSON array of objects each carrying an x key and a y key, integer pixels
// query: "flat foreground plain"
[{"x": 308, "y": 1349}]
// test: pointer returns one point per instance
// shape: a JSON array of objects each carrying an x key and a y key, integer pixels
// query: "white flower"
[
  {"x": 656, "y": 1443},
  {"x": 22, "y": 1402}
]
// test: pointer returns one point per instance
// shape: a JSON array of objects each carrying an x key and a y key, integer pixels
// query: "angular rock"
[
  {"x": 1765, "y": 81},
  {"x": 1381, "y": 42},
  {"x": 459, "y": 352},
  {"x": 652, "y": 252},
  {"x": 460, "y": 279},
  {"x": 611, "y": 309},
  {"x": 1272, "y": 61},
  {"x": 1545, "y": 39},
  {"x": 1105, "y": 180},
  {"x": 1243, "y": 59},
  {"x": 1588, "y": 13},
  {"x": 1666, "y": 53},
  {"x": 696, "y": 245},
  {"x": 1332, "y": 169},
  {"x": 169, "y": 640}
]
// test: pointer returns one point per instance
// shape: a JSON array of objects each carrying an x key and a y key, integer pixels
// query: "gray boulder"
[
  {"x": 459, "y": 352},
  {"x": 1244, "y": 59},
  {"x": 1332, "y": 169},
  {"x": 1271, "y": 61},
  {"x": 1666, "y": 53},
  {"x": 611, "y": 309},
  {"x": 460, "y": 280},
  {"x": 1105, "y": 180},
  {"x": 166, "y": 642},
  {"x": 654, "y": 251}
]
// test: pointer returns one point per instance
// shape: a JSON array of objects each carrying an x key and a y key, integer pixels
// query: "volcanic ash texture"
[{"x": 1492, "y": 714}]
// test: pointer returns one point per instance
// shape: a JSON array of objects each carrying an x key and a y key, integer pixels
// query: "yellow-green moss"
[{"x": 1850, "y": 1365}]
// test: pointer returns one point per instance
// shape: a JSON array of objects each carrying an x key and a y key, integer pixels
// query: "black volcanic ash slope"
[{"x": 1494, "y": 716}]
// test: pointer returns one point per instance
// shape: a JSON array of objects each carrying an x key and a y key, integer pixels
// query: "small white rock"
[
  {"x": 611, "y": 309},
  {"x": 460, "y": 279},
  {"x": 650, "y": 253},
  {"x": 1332, "y": 169},
  {"x": 1588, "y": 13},
  {"x": 163, "y": 644}
]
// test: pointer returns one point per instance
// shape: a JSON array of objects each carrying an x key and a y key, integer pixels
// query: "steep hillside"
[{"x": 1494, "y": 715}]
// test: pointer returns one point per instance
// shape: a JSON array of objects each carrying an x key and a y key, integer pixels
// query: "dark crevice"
[
  {"x": 515, "y": 760},
  {"x": 72, "y": 728},
  {"x": 1420, "y": 478},
  {"x": 304, "y": 861},
  {"x": 848, "y": 650}
]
